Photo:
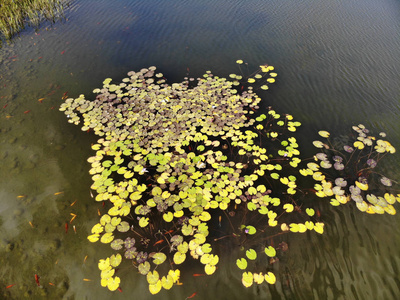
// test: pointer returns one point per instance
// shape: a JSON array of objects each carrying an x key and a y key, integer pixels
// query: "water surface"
[{"x": 338, "y": 65}]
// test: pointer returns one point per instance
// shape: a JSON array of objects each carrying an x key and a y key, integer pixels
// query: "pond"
[{"x": 338, "y": 65}]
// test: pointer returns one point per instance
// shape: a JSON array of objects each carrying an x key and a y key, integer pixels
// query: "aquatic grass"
[{"x": 16, "y": 14}]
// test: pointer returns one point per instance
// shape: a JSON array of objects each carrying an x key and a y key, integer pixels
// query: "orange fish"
[
  {"x": 191, "y": 296},
  {"x": 9, "y": 286},
  {"x": 66, "y": 227},
  {"x": 158, "y": 242},
  {"x": 37, "y": 279}
]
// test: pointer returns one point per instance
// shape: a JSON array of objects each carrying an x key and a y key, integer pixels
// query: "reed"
[{"x": 16, "y": 14}]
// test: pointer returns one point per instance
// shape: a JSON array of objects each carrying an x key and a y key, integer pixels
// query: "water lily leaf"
[
  {"x": 107, "y": 238},
  {"x": 159, "y": 258},
  {"x": 251, "y": 254},
  {"x": 390, "y": 198},
  {"x": 144, "y": 268},
  {"x": 143, "y": 222},
  {"x": 104, "y": 264},
  {"x": 324, "y": 133},
  {"x": 258, "y": 278},
  {"x": 362, "y": 186},
  {"x": 318, "y": 144},
  {"x": 284, "y": 227},
  {"x": 117, "y": 244},
  {"x": 310, "y": 212},
  {"x": 152, "y": 277},
  {"x": 107, "y": 273},
  {"x": 98, "y": 228},
  {"x": 270, "y": 278},
  {"x": 209, "y": 269},
  {"x": 294, "y": 227},
  {"x": 386, "y": 182},
  {"x": 155, "y": 288},
  {"x": 319, "y": 227},
  {"x": 358, "y": 145},
  {"x": 250, "y": 230},
  {"x": 270, "y": 251},
  {"x": 288, "y": 207},
  {"x": 168, "y": 217},
  {"x": 167, "y": 282},
  {"x": 123, "y": 226},
  {"x": 390, "y": 210},
  {"x": 113, "y": 283},
  {"x": 179, "y": 258},
  {"x": 115, "y": 260},
  {"x": 187, "y": 229},
  {"x": 241, "y": 263},
  {"x": 247, "y": 279}
]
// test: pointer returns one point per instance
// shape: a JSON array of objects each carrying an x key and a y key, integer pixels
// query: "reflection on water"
[{"x": 338, "y": 65}]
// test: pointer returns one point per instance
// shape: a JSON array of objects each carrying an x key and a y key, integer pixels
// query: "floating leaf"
[
  {"x": 270, "y": 278},
  {"x": 152, "y": 277},
  {"x": 113, "y": 283},
  {"x": 288, "y": 207},
  {"x": 250, "y": 230},
  {"x": 247, "y": 279},
  {"x": 115, "y": 260},
  {"x": 251, "y": 254},
  {"x": 155, "y": 288},
  {"x": 241, "y": 263},
  {"x": 270, "y": 251},
  {"x": 144, "y": 268},
  {"x": 179, "y": 258},
  {"x": 159, "y": 258},
  {"x": 209, "y": 269},
  {"x": 324, "y": 133},
  {"x": 310, "y": 211}
]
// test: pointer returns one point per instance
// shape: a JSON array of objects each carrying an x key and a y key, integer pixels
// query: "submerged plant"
[
  {"x": 174, "y": 160},
  {"x": 15, "y": 14}
]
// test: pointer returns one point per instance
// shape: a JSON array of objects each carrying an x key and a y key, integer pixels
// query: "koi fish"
[
  {"x": 84, "y": 260},
  {"x": 73, "y": 217},
  {"x": 10, "y": 286},
  {"x": 27, "y": 111},
  {"x": 58, "y": 193},
  {"x": 41, "y": 100},
  {"x": 51, "y": 283},
  {"x": 72, "y": 204},
  {"x": 197, "y": 275},
  {"x": 5, "y": 106},
  {"x": 119, "y": 290},
  {"x": 158, "y": 242},
  {"x": 37, "y": 279},
  {"x": 74, "y": 228},
  {"x": 30, "y": 223},
  {"x": 66, "y": 227},
  {"x": 86, "y": 279},
  {"x": 62, "y": 52},
  {"x": 191, "y": 296}
]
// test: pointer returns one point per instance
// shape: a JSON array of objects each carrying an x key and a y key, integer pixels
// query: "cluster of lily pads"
[
  {"x": 173, "y": 159},
  {"x": 349, "y": 172}
]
